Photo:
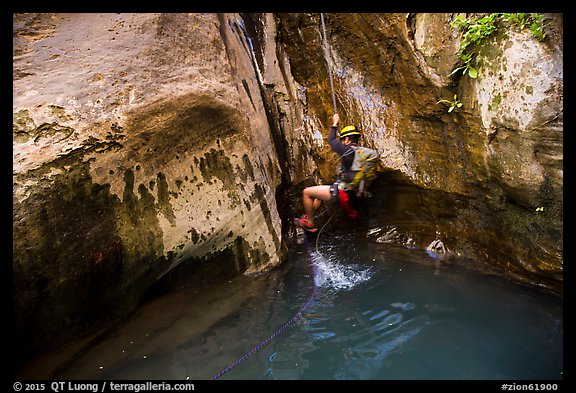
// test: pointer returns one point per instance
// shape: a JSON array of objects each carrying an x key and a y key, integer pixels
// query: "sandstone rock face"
[{"x": 140, "y": 142}]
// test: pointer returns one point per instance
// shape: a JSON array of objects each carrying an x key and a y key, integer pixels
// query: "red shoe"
[{"x": 304, "y": 224}]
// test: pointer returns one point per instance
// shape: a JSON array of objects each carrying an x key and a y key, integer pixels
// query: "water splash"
[{"x": 334, "y": 275}]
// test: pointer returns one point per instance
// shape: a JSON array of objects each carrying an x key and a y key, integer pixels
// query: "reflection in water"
[
  {"x": 364, "y": 360},
  {"x": 379, "y": 312}
]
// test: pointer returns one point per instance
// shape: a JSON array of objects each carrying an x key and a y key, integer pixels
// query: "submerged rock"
[{"x": 437, "y": 247}]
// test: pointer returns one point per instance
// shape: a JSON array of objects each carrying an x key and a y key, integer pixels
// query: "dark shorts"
[
  {"x": 345, "y": 199},
  {"x": 334, "y": 192}
]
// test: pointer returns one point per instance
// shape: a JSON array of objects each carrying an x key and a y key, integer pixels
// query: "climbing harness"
[{"x": 328, "y": 62}]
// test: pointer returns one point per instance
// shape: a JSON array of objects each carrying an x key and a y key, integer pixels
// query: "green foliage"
[
  {"x": 523, "y": 20},
  {"x": 537, "y": 26},
  {"x": 467, "y": 67},
  {"x": 520, "y": 19},
  {"x": 477, "y": 31},
  {"x": 455, "y": 103}
]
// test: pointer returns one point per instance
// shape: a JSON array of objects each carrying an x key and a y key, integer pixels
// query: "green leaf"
[
  {"x": 456, "y": 70},
  {"x": 472, "y": 73},
  {"x": 450, "y": 109}
]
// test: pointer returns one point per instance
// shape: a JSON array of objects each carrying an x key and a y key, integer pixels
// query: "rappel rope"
[
  {"x": 327, "y": 55},
  {"x": 297, "y": 315},
  {"x": 291, "y": 320},
  {"x": 286, "y": 325},
  {"x": 320, "y": 231},
  {"x": 306, "y": 243}
]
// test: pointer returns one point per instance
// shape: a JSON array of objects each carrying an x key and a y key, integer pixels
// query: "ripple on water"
[
  {"x": 379, "y": 315},
  {"x": 365, "y": 359}
]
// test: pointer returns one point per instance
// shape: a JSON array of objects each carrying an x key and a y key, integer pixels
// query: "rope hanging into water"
[
  {"x": 295, "y": 317},
  {"x": 285, "y": 326},
  {"x": 308, "y": 248},
  {"x": 323, "y": 226},
  {"x": 327, "y": 55}
]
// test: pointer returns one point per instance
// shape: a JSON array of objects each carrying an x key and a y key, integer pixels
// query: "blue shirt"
[{"x": 346, "y": 152}]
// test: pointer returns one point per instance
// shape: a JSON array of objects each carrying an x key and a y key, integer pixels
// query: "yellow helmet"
[{"x": 348, "y": 131}]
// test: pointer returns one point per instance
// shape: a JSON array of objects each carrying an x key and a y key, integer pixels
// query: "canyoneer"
[{"x": 358, "y": 167}]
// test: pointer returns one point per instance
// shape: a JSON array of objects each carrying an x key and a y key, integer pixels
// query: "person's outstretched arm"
[{"x": 333, "y": 141}]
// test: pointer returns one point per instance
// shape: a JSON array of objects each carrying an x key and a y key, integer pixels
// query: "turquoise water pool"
[{"x": 378, "y": 312}]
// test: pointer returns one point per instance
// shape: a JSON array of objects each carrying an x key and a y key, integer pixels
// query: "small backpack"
[{"x": 365, "y": 168}]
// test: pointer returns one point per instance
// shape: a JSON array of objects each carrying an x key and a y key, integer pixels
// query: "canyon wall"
[{"x": 140, "y": 143}]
